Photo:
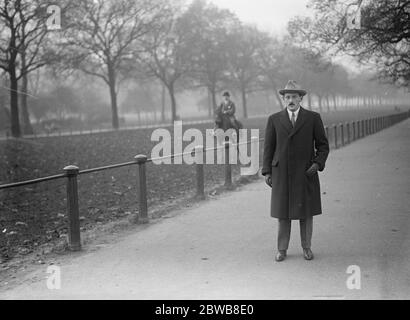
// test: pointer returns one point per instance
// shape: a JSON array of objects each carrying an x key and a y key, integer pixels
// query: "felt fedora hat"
[{"x": 292, "y": 87}]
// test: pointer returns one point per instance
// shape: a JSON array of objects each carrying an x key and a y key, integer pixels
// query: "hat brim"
[{"x": 284, "y": 91}]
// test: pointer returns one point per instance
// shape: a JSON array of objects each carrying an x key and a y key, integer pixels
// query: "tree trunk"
[
  {"x": 319, "y": 99},
  {"x": 328, "y": 103},
  {"x": 309, "y": 101},
  {"x": 173, "y": 102},
  {"x": 113, "y": 95},
  {"x": 163, "y": 103},
  {"x": 244, "y": 104},
  {"x": 267, "y": 96},
  {"x": 25, "y": 117},
  {"x": 14, "y": 107},
  {"x": 209, "y": 103},
  {"x": 279, "y": 98},
  {"x": 335, "y": 102},
  {"x": 213, "y": 99},
  {"x": 212, "y": 104}
]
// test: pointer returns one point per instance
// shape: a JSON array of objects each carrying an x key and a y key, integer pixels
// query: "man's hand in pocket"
[
  {"x": 312, "y": 170},
  {"x": 268, "y": 180}
]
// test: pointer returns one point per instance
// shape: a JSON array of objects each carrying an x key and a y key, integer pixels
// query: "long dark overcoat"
[{"x": 288, "y": 153}]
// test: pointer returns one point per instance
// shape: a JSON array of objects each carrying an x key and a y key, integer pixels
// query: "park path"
[{"x": 224, "y": 248}]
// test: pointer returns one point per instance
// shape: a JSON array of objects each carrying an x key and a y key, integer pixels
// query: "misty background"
[{"x": 121, "y": 63}]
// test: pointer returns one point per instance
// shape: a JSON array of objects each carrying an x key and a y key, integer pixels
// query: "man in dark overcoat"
[{"x": 296, "y": 148}]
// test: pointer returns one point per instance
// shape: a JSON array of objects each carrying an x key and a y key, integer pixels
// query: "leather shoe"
[
  {"x": 280, "y": 256},
  {"x": 308, "y": 254}
]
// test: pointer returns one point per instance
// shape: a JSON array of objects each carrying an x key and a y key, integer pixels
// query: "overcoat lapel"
[
  {"x": 285, "y": 121},
  {"x": 300, "y": 121}
]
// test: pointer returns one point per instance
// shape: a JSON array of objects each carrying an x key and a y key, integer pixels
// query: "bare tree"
[
  {"x": 102, "y": 35},
  {"x": 383, "y": 38},
  {"x": 211, "y": 26},
  {"x": 168, "y": 55},
  {"x": 271, "y": 63},
  {"x": 245, "y": 46},
  {"x": 22, "y": 49}
]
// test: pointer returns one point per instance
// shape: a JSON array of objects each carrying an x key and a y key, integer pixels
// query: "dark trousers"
[{"x": 284, "y": 227}]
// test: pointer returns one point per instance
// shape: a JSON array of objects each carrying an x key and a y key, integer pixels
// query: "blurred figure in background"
[{"x": 225, "y": 115}]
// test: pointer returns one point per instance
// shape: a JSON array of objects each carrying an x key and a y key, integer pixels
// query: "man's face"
[
  {"x": 292, "y": 101},
  {"x": 226, "y": 98}
]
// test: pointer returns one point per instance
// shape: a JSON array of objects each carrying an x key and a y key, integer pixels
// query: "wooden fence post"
[
  {"x": 348, "y": 132},
  {"x": 74, "y": 238},
  {"x": 342, "y": 134},
  {"x": 199, "y": 160},
  {"x": 142, "y": 189}
]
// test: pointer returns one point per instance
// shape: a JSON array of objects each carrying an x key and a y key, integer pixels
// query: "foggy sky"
[{"x": 268, "y": 15}]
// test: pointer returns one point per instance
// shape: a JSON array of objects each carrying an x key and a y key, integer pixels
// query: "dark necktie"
[{"x": 293, "y": 119}]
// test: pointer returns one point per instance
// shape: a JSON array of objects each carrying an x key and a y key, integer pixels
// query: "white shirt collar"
[{"x": 290, "y": 113}]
